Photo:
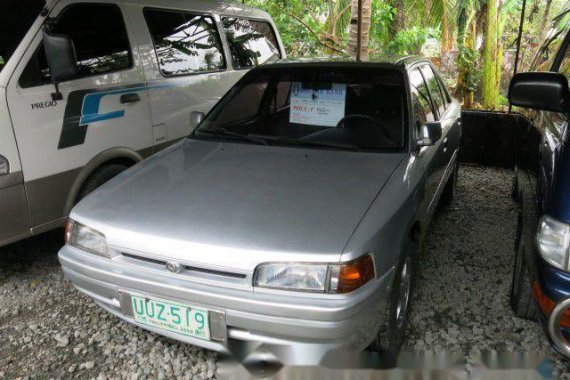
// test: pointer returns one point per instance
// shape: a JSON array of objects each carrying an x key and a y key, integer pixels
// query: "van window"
[
  {"x": 16, "y": 17},
  {"x": 185, "y": 43},
  {"x": 100, "y": 47},
  {"x": 251, "y": 42}
]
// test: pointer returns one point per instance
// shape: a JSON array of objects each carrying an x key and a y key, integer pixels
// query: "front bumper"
[
  {"x": 329, "y": 322},
  {"x": 552, "y": 293}
]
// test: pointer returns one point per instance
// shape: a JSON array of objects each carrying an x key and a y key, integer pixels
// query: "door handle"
[{"x": 130, "y": 98}]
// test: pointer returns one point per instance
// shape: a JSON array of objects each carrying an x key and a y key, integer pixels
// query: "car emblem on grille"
[{"x": 174, "y": 267}]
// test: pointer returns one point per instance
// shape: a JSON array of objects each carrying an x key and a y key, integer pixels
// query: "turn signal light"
[
  {"x": 352, "y": 275},
  {"x": 547, "y": 305}
]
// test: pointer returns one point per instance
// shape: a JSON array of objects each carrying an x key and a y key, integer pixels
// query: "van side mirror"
[
  {"x": 545, "y": 91},
  {"x": 429, "y": 133},
  {"x": 61, "y": 59},
  {"x": 196, "y": 118}
]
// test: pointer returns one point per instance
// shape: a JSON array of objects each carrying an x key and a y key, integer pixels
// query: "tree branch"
[{"x": 315, "y": 34}]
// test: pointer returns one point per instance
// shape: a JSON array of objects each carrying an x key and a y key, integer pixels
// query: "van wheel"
[
  {"x": 522, "y": 302},
  {"x": 393, "y": 329},
  {"x": 99, "y": 177},
  {"x": 448, "y": 195}
]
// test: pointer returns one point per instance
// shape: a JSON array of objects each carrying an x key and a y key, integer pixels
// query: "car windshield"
[
  {"x": 345, "y": 108},
  {"x": 16, "y": 17}
]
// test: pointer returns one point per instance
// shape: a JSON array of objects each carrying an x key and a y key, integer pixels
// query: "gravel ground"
[{"x": 49, "y": 330}]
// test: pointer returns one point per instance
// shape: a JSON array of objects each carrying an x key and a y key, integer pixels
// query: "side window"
[
  {"x": 185, "y": 43},
  {"x": 420, "y": 96},
  {"x": 546, "y": 55},
  {"x": 443, "y": 90},
  {"x": 434, "y": 89},
  {"x": 100, "y": 47},
  {"x": 251, "y": 42},
  {"x": 565, "y": 65}
]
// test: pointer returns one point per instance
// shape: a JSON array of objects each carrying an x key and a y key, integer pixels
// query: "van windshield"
[
  {"x": 16, "y": 17},
  {"x": 354, "y": 108}
]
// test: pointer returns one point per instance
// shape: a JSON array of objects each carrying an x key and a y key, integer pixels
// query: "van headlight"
[
  {"x": 553, "y": 240},
  {"x": 318, "y": 277},
  {"x": 85, "y": 238}
]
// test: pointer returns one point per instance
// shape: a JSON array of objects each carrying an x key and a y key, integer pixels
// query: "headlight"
[
  {"x": 85, "y": 238},
  {"x": 553, "y": 240},
  {"x": 318, "y": 278}
]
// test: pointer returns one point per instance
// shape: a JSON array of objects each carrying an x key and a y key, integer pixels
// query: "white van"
[{"x": 124, "y": 80}]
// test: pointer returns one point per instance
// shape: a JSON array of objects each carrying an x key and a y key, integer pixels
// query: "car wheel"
[
  {"x": 393, "y": 329},
  {"x": 448, "y": 195},
  {"x": 99, "y": 177},
  {"x": 522, "y": 302}
]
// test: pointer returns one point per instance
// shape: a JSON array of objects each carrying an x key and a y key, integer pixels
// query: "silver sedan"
[{"x": 291, "y": 215}]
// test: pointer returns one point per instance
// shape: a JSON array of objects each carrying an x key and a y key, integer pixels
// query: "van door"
[{"x": 106, "y": 106}]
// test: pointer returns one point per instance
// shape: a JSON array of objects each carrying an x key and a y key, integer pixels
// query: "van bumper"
[{"x": 346, "y": 322}]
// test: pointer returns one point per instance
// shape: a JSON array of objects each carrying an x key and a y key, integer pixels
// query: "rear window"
[
  {"x": 251, "y": 42},
  {"x": 185, "y": 43},
  {"x": 343, "y": 107}
]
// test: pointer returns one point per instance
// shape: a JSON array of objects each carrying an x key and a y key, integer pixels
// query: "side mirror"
[
  {"x": 61, "y": 59},
  {"x": 429, "y": 133},
  {"x": 196, "y": 118},
  {"x": 545, "y": 91}
]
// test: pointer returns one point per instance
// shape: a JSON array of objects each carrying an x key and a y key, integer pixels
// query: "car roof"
[{"x": 397, "y": 61}]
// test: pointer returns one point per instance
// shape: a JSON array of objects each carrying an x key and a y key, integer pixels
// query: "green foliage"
[
  {"x": 382, "y": 16},
  {"x": 411, "y": 40},
  {"x": 467, "y": 68}
]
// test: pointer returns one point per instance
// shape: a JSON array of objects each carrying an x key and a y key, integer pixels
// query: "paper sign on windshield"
[{"x": 317, "y": 107}]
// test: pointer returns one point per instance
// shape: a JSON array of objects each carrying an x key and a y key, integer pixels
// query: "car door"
[
  {"x": 552, "y": 126},
  {"x": 556, "y": 138},
  {"x": 57, "y": 137},
  {"x": 448, "y": 115},
  {"x": 429, "y": 156}
]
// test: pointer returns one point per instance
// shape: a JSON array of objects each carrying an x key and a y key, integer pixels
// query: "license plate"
[{"x": 171, "y": 316}]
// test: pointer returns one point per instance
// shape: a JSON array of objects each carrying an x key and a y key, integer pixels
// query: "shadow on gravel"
[{"x": 23, "y": 255}]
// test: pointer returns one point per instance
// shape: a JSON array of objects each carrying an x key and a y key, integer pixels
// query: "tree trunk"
[
  {"x": 399, "y": 18},
  {"x": 481, "y": 26},
  {"x": 543, "y": 24},
  {"x": 445, "y": 37},
  {"x": 489, "y": 96},
  {"x": 365, "y": 28},
  {"x": 471, "y": 36}
]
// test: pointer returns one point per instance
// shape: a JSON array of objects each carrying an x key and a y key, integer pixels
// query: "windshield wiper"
[
  {"x": 298, "y": 142},
  {"x": 222, "y": 132}
]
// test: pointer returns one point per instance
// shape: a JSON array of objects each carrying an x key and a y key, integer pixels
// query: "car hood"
[{"x": 232, "y": 204}]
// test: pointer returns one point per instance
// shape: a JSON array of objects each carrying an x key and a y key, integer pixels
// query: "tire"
[
  {"x": 515, "y": 192},
  {"x": 99, "y": 177},
  {"x": 392, "y": 331},
  {"x": 450, "y": 190},
  {"x": 522, "y": 302}
]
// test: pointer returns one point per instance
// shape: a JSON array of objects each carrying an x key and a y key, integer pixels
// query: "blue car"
[{"x": 541, "y": 277}]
